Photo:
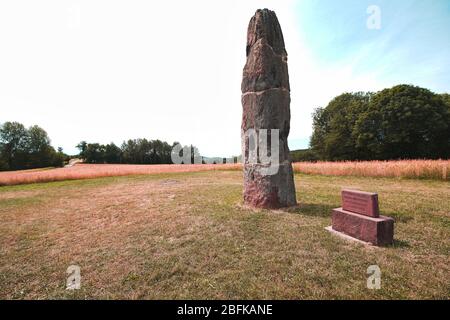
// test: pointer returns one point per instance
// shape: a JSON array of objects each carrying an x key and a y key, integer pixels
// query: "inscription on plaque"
[{"x": 364, "y": 203}]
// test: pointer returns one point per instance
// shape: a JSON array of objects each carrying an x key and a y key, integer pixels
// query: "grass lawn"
[{"x": 187, "y": 235}]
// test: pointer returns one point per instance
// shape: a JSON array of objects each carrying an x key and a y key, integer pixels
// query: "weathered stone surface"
[
  {"x": 266, "y": 105},
  {"x": 378, "y": 231},
  {"x": 268, "y": 109},
  {"x": 273, "y": 191},
  {"x": 264, "y": 24},
  {"x": 264, "y": 69},
  {"x": 361, "y": 202}
]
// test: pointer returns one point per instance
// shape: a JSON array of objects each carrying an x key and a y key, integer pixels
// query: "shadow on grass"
[
  {"x": 398, "y": 217},
  {"x": 324, "y": 210},
  {"x": 312, "y": 209},
  {"x": 400, "y": 244}
]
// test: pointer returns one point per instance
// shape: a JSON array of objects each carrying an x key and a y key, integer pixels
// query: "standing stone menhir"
[{"x": 266, "y": 105}]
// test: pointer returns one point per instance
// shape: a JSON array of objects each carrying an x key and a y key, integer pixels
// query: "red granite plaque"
[
  {"x": 365, "y": 203},
  {"x": 360, "y": 218}
]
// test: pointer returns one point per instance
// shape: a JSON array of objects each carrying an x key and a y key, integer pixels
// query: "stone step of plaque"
[{"x": 360, "y": 218}]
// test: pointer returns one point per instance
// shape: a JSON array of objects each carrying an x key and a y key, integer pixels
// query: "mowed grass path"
[{"x": 175, "y": 236}]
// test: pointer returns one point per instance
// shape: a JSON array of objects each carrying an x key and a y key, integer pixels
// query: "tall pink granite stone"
[{"x": 266, "y": 105}]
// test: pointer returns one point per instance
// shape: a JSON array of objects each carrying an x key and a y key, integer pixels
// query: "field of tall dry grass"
[
  {"x": 91, "y": 171},
  {"x": 412, "y": 169}
]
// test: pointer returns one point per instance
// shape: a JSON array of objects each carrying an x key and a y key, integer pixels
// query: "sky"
[{"x": 107, "y": 71}]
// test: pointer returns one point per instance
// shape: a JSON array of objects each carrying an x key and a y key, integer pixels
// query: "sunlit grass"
[{"x": 187, "y": 235}]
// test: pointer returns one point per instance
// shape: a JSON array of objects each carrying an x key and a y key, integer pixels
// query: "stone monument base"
[
  {"x": 377, "y": 231},
  {"x": 269, "y": 191},
  {"x": 346, "y": 237}
]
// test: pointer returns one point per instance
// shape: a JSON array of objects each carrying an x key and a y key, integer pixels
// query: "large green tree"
[
  {"x": 113, "y": 154},
  {"x": 333, "y": 127},
  {"x": 446, "y": 98},
  {"x": 22, "y": 148},
  {"x": 82, "y": 146},
  {"x": 403, "y": 122},
  {"x": 95, "y": 153},
  {"x": 13, "y": 140},
  {"x": 40, "y": 152}
]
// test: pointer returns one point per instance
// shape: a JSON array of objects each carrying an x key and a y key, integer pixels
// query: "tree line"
[
  {"x": 27, "y": 148},
  {"x": 402, "y": 122},
  {"x": 143, "y": 151},
  {"x": 133, "y": 151},
  {"x": 30, "y": 148}
]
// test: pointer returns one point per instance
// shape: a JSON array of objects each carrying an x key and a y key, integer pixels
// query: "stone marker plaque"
[
  {"x": 365, "y": 203},
  {"x": 360, "y": 218}
]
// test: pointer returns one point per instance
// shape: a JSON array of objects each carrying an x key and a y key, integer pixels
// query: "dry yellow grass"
[
  {"x": 423, "y": 169},
  {"x": 186, "y": 235},
  {"x": 91, "y": 171}
]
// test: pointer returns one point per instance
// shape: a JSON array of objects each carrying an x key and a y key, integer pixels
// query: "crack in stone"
[{"x": 262, "y": 91}]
